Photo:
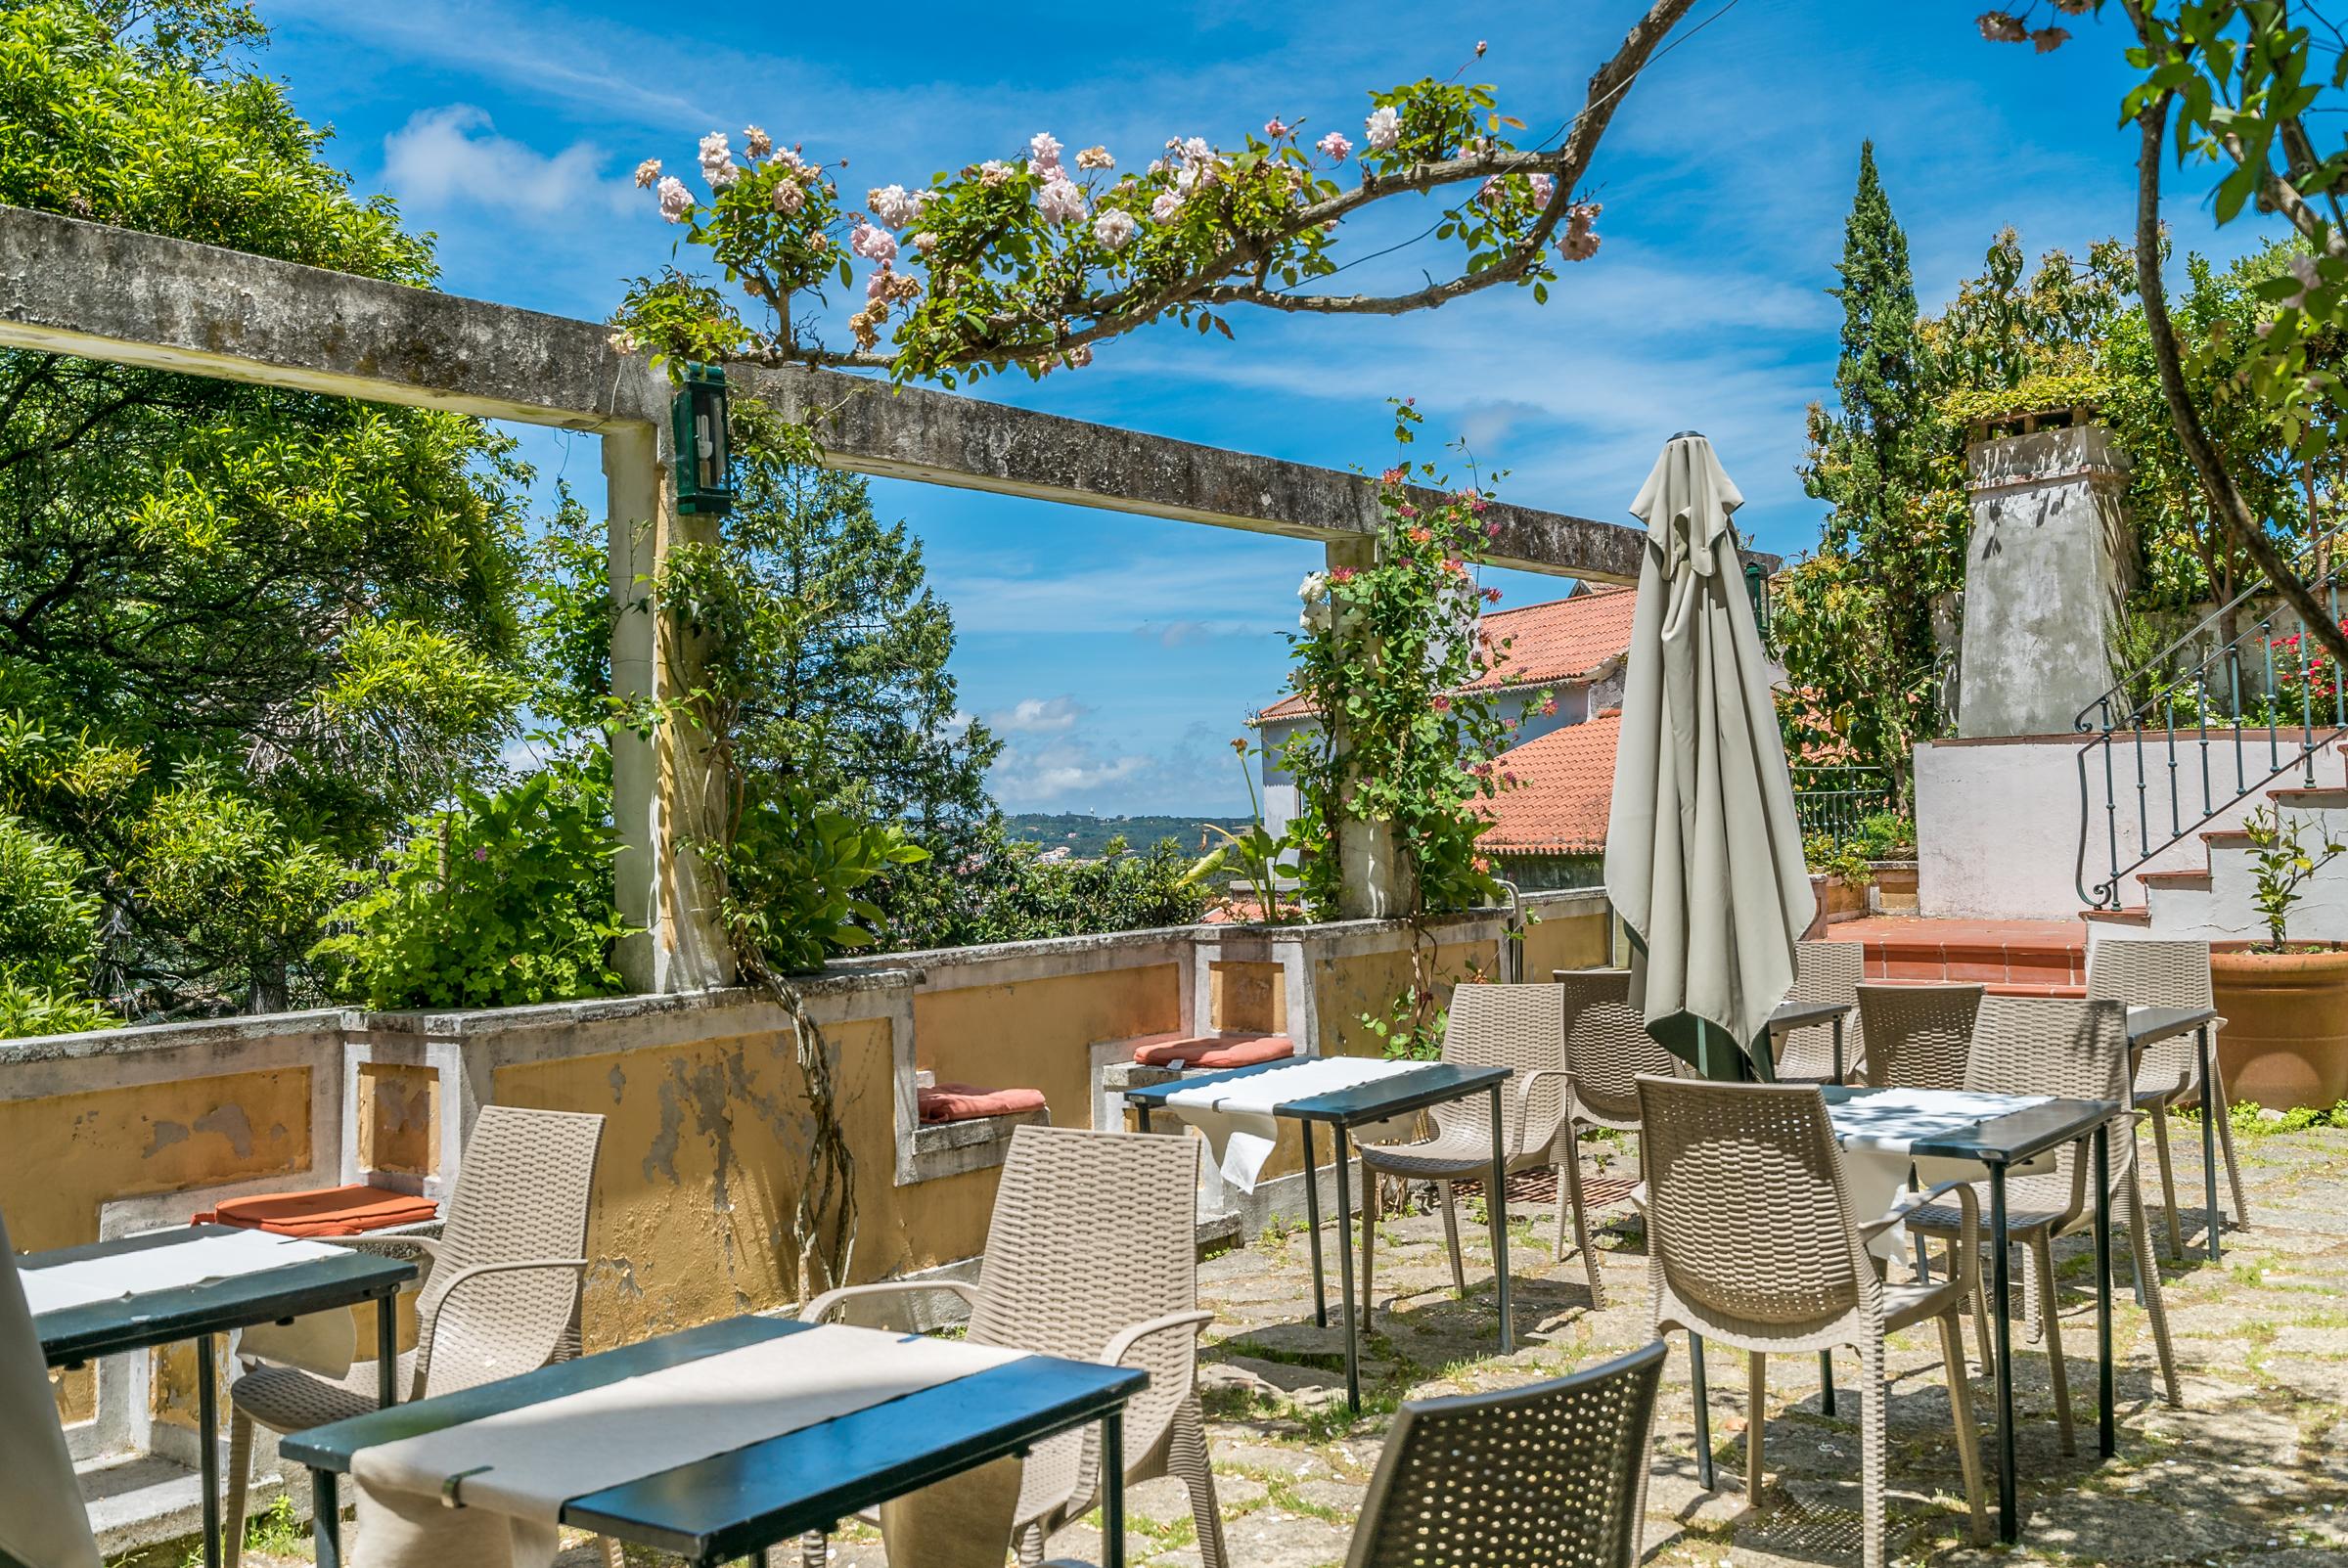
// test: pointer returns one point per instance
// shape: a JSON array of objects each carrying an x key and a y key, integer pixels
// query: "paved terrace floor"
[{"x": 2255, "y": 1467}]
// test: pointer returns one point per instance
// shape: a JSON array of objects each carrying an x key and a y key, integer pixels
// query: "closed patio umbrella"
[{"x": 1703, "y": 850}]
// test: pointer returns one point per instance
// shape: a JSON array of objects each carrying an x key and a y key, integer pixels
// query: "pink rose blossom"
[
  {"x": 873, "y": 245},
  {"x": 647, "y": 173},
  {"x": 893, "y": 206},
  {"x": 1081, "y": 355},
  {"x": 757, "y": 142},
  {"x": 1197, "y": 151},
  {"x": 877, "y": 284},
  {"x": 1059, "y": 202},
  {"x": 926, "y": 241},
  {"x": 994, "y": 171},
  {"x": 1334, "y": 147},
  {"x": 1440, "y": 703},
  {"x": 1115, "y": 229},
  {"x": 1043, "y": 153},
  {"x": 1383, "y": 128},
  {"x": 1276, "y": 129},
  {"x": 1096, "y": 157},
  {"x": 1340, "y": 574},
  {"x": 1548, "y": 709},
  {"x": 1544, "y": 187},
  {"x": 1581, "y": 236},
  {"x": 717, "y": 161},
  {"x": 1166, "y": 208},
  {"x": 675, "y": 200},
  {"x": 790, "y": 197}
]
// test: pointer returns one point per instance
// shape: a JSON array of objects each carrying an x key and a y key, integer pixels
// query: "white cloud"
[
  {"x": 1038, "y": 715},
  {"x": 1060, "y": 774},
  {"x": 453, "y": 156}
]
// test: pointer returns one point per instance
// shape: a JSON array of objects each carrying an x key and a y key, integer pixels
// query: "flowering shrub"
[
  {"x": 1385, "y": 654},
  {"x": 1028, "y": 261}
]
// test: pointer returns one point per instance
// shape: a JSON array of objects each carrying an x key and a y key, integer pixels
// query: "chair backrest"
[
  {"x": 2068, "y": 1047},
  {"x": 1552, "y": 1474},
  {"x": 1518, "y": 1026},
  {"x": 1091, "y": 1233},
  {"x": 1750, "y": 1229},
  {"x": 42, "y": 1522},
  {"x": 1918, "y": 1036},
  {"x": 2155, "y": 974},
  {"x": 1607, "y": 1048},
  {"x": 523, "y": 1192},
  {"x": 1831, "y": 971}
]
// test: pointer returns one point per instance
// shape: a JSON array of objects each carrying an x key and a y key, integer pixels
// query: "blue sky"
[{"x": 1118, "y": 654}]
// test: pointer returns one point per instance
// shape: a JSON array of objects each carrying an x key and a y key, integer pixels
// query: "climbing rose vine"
[{"x": 1027, "y": 261}]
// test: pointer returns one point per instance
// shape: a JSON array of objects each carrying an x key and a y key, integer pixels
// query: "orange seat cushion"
[
  {"x": 966, "y": 1103},
  {"x": 324, "y": 1211},
  {"x": 1217, "y": 1050}
]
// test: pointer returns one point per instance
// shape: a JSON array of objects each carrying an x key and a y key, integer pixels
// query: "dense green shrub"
[
  {"x": 48, "y": 938},
  {"x": 795, "y": 872}
]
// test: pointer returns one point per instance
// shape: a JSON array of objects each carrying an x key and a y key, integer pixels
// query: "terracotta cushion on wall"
[
  {"x": 1217, "y": 1050},
  {"x": 324, "y": 1211},
  {"x": 963, "y": 1102}
]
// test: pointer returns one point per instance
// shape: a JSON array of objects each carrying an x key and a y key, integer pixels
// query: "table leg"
[
  {"x": 1141, "y": 1117},
  {"x": 2106, "y": 1439},
  {"x": 1113, "y": 1490},
  {"x": 207, "y": 1434},
  {"x": 1838, "y": 1048},
  {"x": 1703, "y": 1411},
  {"x": 325, "y": 1518},
  {"x": 2001, "y": 1283},
  {"x": 2211, "y": 1111},
  {"x": 386, "y": 1352},
  {"x": 1826, "y": 1381},
  {"x": 1312, "y": 1223},
  {"x": 1353, "y": 1371},
  {"x": 1497, "y": 1209}
]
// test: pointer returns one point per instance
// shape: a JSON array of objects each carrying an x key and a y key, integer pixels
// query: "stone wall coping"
[{"x": 176, "y": 1036}]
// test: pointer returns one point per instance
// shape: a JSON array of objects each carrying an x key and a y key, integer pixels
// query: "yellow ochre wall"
[
  {"x": 1039, "y": 1034},
  {"x": 1566, "y": 942}
]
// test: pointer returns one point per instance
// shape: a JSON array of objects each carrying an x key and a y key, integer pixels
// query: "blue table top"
[
  {"x": 2003, "y": 1139},
  {"x": 1426, "y": 1084}
]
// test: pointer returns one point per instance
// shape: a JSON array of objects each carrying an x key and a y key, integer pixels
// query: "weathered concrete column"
[
  {"x": 2045, "y": 571},
  {"x": 662, "y": 789},
  {"x": 1374, "y": 881}
]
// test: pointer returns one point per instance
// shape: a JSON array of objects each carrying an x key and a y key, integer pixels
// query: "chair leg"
[
  {"x": 1756, "y": 1417},
  {"x": 1028, "y": 1544},
  {"x": 1373, "y": 1201},
  {"x": 2040, "y": 1249},
  {"x": 612, "y": 1556},
  {"x": 2147, "y": 1272},
  {"x": 1451, "y": 1238},
  {"x": 1870, "y": 1450},
  {"x": 1569, "y": 1196},
  {"x": 1186, "y": 1459},
  {"x": 2216, "y": 1105},
  {"x": 2168, "y": 1180},
  {"x": 240, "y": 1477},
  {"x": 815, "y": 1550},
  {"x": 2033, "y": 1320},
  {"x": 1961, "y": 1409}
]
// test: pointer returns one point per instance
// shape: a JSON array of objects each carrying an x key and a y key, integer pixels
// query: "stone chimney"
[{"x": 2046, "y": 570}]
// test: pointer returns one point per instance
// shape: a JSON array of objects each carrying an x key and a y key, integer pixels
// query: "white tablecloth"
[
  {"x": 190, "y": 1260},
  {"x": 1876, "y": 1132},
  {"x": 1237, "y": 1118},
  {"x": 514, "y": 1471}
]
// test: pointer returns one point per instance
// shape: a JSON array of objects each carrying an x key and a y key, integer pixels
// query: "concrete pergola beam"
[{"x": 69, "y": 286}]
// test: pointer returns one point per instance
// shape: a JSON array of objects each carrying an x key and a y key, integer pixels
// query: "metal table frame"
[
  {"x": 1430, "y": 1084},
  {"x": 737, "y": 1503},
  {"x": 2148, "y": 1024},
  {"x": 1792, "y": 1015},
  {"x": 73, "y": 1335},
  {"x": 1998, "y": 1143}
]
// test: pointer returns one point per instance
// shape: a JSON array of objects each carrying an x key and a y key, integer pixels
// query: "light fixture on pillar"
[
  {"x": 704, "y": 465},
  {"x": 1757, "y": 587}
]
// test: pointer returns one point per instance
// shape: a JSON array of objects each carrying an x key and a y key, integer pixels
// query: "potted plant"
[{"x": 2285, "y": 1002}]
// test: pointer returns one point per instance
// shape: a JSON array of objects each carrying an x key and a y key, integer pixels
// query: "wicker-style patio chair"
[
  {"x": 1092, "y": 1254},
  {"x": 42, "y": 1521},
  {"x": 1550, "y": 1475},
  {"x": 2169, "y": 974},
  {"x": 2077, "y": 1048},
  {"x": 1824, "y": 971},
  {"x": 1518, "y": 1026},
  {"x": 1918, "y": 1036},
  {"x": 500, "y": 1294},
  {"x": 1751, "y": 1241},
  {"x": 1608, "y": 1050}
]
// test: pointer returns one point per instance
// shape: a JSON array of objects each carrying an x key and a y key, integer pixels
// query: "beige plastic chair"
[
  {"x": 1918, "y": 1036},
  {"x": 1608, "y": 1050},
  {"x": 2078, "y": 1049},
  {"x": 500, "y": 1295},
  {"x": 42, "y": 1521},
  {"x": 1092, "y": 1254},
  {"x": 1824, "y": 971},
  {"x": 1550, "y": 1475},
  {"x": 1751, "y": 1241},
  {"x": 1518, "y": 1026},
  {"x": 2169, "y": 974}
]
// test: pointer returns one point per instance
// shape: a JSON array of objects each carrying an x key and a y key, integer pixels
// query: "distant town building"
[{"x": 1550, "y": 830}]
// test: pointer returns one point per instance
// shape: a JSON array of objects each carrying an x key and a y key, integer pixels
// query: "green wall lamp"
[{"x": 704, "y": 465}]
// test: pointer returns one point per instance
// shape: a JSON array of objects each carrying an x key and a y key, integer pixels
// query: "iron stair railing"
[
  {"x": 1837, "y": 800},
  {"x": 2233, "y": 700}
]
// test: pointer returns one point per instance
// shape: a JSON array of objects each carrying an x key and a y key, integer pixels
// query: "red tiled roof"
[
  {"x": 1565, "y": 640},
  {"x": 1564, "y": 783}
]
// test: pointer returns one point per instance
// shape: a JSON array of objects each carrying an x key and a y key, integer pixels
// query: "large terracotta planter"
[{"x": 2285, "y": 1040}]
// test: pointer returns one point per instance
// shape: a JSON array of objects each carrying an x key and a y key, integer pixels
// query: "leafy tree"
[
  {"x": 48, "y": 937},
  {"x": 244, "y": 631}
]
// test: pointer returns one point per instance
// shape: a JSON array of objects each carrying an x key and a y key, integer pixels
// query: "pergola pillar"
[{"x": 1375, "y": 880}]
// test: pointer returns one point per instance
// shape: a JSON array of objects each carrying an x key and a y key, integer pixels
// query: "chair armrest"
[
  {"x": 465, "y": 1277},
  {"x": 1526, "y": 1084},
  {"x": 1968, "y": 1207},
  {"x": 1120, "y": 1348},
  {"x": 822, "y": 1307}
]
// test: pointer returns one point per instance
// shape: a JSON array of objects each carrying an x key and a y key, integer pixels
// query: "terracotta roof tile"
[
  {"x": 1564, "y": 783},
  {"x": 1565, "y": 640}
]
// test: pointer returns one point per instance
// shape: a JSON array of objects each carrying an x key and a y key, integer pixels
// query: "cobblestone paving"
[{"x": 2254, "y": 1466}]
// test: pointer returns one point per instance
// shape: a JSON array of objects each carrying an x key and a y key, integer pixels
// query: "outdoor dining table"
[
  {"x": 1999, "y": 1143},
  {"x": 2147, "y": 1025},
  {"x": 194, "y": 1282},
  {"x": 737, "y": 1502},
  {"x": 1344, "y": 1112},
  {"x": 1792, "y": 1015}
]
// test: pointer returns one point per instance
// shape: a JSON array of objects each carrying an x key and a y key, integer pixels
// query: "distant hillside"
[{"x": 1087, "y": 837}]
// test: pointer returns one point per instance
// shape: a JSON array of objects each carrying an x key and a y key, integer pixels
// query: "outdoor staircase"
[{"x": 2213, "y": 896}]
